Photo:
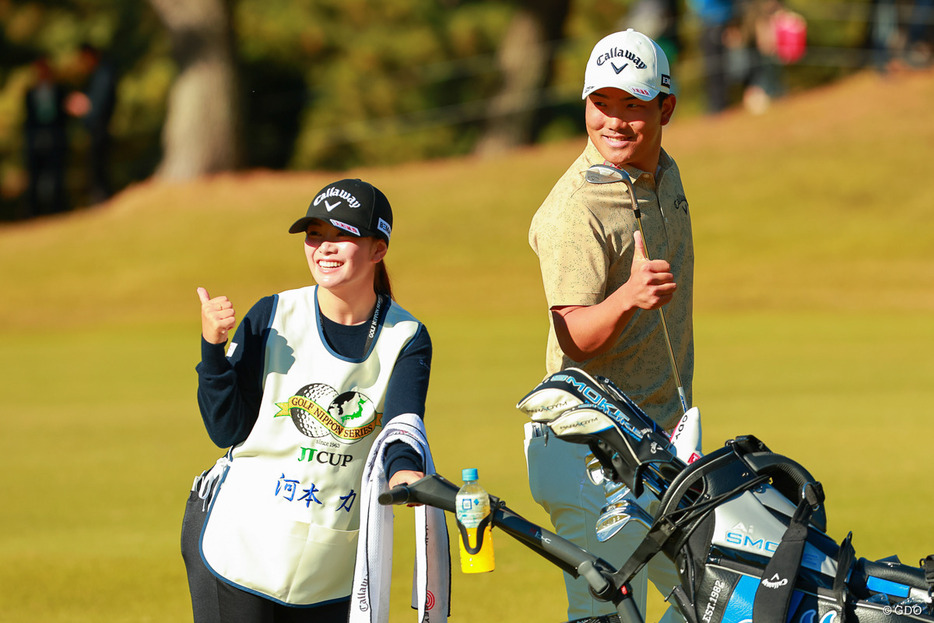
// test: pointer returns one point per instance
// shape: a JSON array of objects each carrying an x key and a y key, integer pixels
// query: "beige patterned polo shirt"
[{"x": 582, "y": 234}]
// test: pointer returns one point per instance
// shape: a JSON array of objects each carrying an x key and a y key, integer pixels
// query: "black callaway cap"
[{"x": 352, "y": 205}]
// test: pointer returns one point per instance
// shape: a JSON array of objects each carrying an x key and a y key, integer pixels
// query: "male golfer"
[{"x": 603, "y": 292}]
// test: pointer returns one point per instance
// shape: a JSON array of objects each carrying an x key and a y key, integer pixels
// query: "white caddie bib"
[{"x": 284, "y": 523}]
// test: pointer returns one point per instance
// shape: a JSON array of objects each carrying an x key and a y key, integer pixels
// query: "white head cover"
[{"x": 630, "y": 61}]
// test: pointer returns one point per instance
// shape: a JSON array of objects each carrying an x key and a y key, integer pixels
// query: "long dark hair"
[{"x": 381, "y": 282}]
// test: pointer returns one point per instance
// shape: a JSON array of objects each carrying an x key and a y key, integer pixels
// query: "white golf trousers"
[{"x": 559, "y": 483}]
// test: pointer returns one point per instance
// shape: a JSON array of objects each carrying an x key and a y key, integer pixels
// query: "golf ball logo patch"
[{"x": 318, "y": 410}]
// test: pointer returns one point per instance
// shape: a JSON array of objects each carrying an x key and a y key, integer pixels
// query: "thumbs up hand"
[
  {"x": 651, "y": 282},
  {"x": 217, "y": 317}
]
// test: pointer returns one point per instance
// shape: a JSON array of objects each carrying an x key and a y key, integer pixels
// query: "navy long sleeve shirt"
[{"x": 230, "y": 384}]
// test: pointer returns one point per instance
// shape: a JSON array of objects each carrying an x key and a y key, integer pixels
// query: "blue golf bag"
[{"x": 745, "y": 527}]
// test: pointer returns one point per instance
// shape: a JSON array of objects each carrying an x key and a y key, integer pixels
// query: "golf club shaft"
[
  {"x": 609, "y": 174},
  {"x": 674, "y": 364},
  {"x": 661, "y": 312}
]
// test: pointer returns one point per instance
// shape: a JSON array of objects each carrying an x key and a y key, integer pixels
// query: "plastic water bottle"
[{"x": 474, "y": 522}]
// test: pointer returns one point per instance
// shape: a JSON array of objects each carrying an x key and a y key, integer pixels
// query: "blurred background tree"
[
  {"x": 203, "y": 131},
  {"x": 525, "y": 61},
  {"x": 218, "y": 85}
]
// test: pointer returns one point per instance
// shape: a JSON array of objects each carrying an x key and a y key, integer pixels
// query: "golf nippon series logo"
[{"x": 318, "y": 410}]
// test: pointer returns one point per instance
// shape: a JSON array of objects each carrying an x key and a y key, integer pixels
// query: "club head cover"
[
  {"x": 549, "y": 399},
  {"x": 627, "y": 456},
  {"x": 572, "y": 387},
  {"x": 686, "y": 436},
  {"x": 581, "y": 408}
]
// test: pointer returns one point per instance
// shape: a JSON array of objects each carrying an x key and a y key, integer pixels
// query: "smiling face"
[
  {"x": 341, "y": 262},
  {"x": 625, "y": 129}
]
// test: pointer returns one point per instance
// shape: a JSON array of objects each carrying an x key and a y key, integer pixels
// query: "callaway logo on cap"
[
  {"x": 352, "y": 205},
  {"x": 629, "y": 61}
]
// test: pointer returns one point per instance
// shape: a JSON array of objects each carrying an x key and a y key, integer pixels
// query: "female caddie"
[{"x": 307, "y": 382}]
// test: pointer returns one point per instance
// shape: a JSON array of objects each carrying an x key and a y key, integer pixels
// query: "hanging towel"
[{"x": 431, "y": 590}]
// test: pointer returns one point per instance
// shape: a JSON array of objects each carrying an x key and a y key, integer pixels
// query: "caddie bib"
[{"x": 284, "y": 523}]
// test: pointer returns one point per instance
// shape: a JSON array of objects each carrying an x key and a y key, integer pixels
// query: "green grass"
[{"x": 814, "y": 332}]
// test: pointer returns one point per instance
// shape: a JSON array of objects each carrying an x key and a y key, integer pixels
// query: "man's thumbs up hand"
[{"x": 650, "y": 281}]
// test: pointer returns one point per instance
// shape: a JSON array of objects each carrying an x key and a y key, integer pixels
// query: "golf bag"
[{"x": 745, "y": 527}]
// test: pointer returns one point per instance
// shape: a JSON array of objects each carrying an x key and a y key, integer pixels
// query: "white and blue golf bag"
[{"x": 745, "y": 527}]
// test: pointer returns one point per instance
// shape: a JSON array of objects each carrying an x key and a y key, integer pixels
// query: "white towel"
[{"x": 431, "y": 590}]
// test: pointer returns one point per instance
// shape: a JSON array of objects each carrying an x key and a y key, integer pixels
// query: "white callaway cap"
[{"x": 629, "y": 61}]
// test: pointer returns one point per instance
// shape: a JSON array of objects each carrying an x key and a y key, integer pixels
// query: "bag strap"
[
  {"x": 773, "y": 595},
  {"x": 677, "y": 525},
  {"x": 928, "y": 564},
  {"x": 846, "y": 558},
  {"x": 653, "y": 542}
]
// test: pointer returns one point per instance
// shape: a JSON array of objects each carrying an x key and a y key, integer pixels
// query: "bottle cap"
[{"x": 469, "y": 473}]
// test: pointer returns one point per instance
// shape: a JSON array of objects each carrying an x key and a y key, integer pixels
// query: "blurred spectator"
[
  {"x": 658, "y": 20},
  {"x": 900, "y": 34},
  {"x": 774, "y": 36},
  {"x": 46, "y": 141},
  {"x": 883, "y": 31},
  {"x": 715, "y": 16},
  {"x": 95, "y": 106},
  {"x": 763, "y": 82},
  {"x": 920, "y": 44}
]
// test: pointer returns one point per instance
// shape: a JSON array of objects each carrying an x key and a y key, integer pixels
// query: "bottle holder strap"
[{"x": 465, "y": 539}]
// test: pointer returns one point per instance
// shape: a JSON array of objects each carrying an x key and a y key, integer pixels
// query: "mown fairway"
[{"x": 814, "y": 324}]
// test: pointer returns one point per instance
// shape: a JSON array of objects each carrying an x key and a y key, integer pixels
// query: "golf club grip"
[
  {"x": 397, "y": 495},
  {"x": 432, "y": 490}
]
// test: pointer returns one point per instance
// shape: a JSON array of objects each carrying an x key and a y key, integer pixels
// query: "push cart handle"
[
  {"x": 435, "y": 490},
  {"x": 432, "y": 490},
  {"x": 397, "y": 495}
]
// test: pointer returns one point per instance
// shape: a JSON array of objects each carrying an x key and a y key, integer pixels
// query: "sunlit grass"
[{"x": 814, "y": 306}]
